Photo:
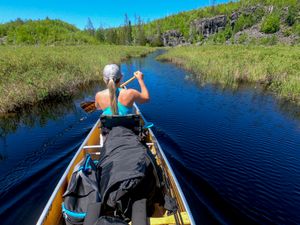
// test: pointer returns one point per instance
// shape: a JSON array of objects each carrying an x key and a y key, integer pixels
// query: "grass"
[
  {"x": 31, "y": 74},
  {"x": 277, "y": 68}
]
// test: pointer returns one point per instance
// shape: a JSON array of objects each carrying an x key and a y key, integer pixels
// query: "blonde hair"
[
  {"x": 111, "y": 76},
  {"x": 111, "y": 85}
]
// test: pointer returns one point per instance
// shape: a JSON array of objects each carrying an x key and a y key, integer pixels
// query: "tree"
[
  {"x": 112, "y": 36},
  {"x": 89, "y": 28},
  {"x": 157, "y": 39},
  {"x": 213, "y": 3},
  {"x": 129, "y": 33},
  {"x": 100, "y": 34},
  {"x": 126, "y": 32},
  {"x": 140, "y": 36}
]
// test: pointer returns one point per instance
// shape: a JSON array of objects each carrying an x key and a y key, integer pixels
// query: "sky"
[{"x": 105, "y": 13}]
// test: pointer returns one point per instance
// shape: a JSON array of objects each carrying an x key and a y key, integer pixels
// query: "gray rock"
[
  {"x": 3, "y": 40},
  {"x": 249, "y": 10},
  {"x": 208, "y": 26},
  {"x": 173, "y": 38},
  {"x": 199, "y": 43},
  {"x": 254, "y": 33},
  {"x": 233, "y": 18}
]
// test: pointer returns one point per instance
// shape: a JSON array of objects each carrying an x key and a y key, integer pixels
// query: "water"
[{"x": 235, "y": 152}]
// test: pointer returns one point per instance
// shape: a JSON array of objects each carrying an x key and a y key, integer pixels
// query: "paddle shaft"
[{"x": 128, "y": 81}]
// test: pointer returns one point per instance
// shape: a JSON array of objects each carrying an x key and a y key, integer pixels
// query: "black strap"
[
  {"x": 156, "y": 171},
  {"x": 170, "y": 204},
  {"x": 139, "y": 212},
  {"x": 93, "y": 213}
]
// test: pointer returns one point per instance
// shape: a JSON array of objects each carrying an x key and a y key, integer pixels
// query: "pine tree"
[
  {"x": 158, "y": 35},
  {"x": 100, "y": 34},
  {"x": 140, "y": 36},
  {"x": 213, "y": 4},
  {"x": 89, "y": 28},
  {"x": 129, "y": 33},
  {"x": 126, "y": 34},
  {"x": 112, "y": 36}
]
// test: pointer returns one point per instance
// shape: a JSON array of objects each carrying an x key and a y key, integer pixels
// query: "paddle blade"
[{"x": 88, "y": 106}]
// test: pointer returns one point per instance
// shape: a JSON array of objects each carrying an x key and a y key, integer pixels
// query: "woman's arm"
[
  {"x": 143, "y": 96},
  {"x": 96, "y": 101}
]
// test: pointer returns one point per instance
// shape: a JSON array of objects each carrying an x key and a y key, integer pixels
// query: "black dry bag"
[{"x": 82, "y": 190}]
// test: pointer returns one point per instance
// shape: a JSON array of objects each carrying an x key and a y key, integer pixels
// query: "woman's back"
[
  {"x": 124, "y": 102},
  {"x": 116, "y": 100}
]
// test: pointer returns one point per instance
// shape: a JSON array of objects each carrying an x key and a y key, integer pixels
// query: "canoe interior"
[{"x": 52, "y": 214}]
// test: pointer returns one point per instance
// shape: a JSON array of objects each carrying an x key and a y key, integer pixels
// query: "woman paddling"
[{"x": 115, "y": 100}]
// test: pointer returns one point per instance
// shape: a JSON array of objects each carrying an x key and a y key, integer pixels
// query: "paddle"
[{"x": 90, "y": 105}]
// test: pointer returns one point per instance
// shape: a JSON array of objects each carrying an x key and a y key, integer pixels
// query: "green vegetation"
[
  {"x": 44, "y": 32},
  {"x": 268, "y": 40},
  {"x": 30, "y": 74},
  {"x": 268, "y": 13},
  {"x": 291, "y": 16},
  {"x": 39, "y": 59},
  {"x": 297, "y": 29},
  {"x": 271, "y": 24},
  {"x": 277, "y": 68}
]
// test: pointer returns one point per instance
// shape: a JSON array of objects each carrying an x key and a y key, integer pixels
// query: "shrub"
[
  {"x": 291, "y": 16},
  {"x": 219, "y": 38},
  {"x": 271, "y": 24},
  {"x": 296, "y": 29},
  {"x": 246, "y": 21},
  {"x": 287, "y": 32},
  {"x": 242, "y": 23},
  {"x": 269, "y": 40},
  {"x": 243, "y": 38},
  {"x": 228, "y": 32},
  {"x": 223, "y": 36}
]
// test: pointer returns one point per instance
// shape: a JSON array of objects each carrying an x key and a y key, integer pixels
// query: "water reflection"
[
  {"x": 39, "y": 114},
  {"x": 35, "y": 115},
  {"x": 230, "y": 148},
  {"x": 258, "y": 92}
]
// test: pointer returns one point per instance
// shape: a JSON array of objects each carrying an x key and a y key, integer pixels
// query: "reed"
[
  {"x": 30, "y": 74},
  {"x": 277, "y": 68}
]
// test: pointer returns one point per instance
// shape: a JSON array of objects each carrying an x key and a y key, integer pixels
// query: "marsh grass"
[
  {"x": 276, "y": 68},
  {"x": 31, "y": 74}
]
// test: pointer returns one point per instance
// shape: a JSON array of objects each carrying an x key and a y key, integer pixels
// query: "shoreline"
[
  {"x": 231, "y": 71},
  {"x": 32, "y": 75}
]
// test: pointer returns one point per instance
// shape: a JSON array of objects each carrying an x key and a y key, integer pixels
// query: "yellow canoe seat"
[{"x": 169, "y": 219}]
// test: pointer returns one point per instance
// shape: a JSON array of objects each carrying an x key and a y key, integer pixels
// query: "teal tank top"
[{"x": 122, "y": 109}]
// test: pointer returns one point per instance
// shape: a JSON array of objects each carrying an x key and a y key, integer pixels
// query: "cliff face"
[
  {"x": 208, "y": 26},
  {"x": 244, "y": 25},
  {"x": 173, "y": 38}
]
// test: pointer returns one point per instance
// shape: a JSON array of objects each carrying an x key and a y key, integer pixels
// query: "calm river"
[{"x": 236, "y": 153}]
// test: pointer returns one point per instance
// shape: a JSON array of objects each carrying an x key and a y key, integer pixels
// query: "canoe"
[{"x": 52, "y": 214}]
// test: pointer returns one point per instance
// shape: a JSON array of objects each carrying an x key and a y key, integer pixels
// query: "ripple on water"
[{"x": 235, "y": 154}]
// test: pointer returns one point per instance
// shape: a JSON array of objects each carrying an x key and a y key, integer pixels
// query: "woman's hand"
[{"x": 139, "y": 75}]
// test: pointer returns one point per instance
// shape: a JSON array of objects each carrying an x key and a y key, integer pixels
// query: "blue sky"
[{"x": 105, "y": 13}]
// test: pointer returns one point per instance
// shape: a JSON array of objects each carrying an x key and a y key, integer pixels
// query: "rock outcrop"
[
  {"x": 246, "y": 12},
  {"x": 254, "y": 34},
  {"x": 173, "y": 38},
  {"x": 208, "y": 26},
  {"x": 3, "y": 40}
]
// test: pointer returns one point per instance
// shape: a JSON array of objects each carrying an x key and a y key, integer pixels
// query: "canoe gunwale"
[
  {"x": 63, "y": 178},
  {"x": 161, "y": 152}
]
